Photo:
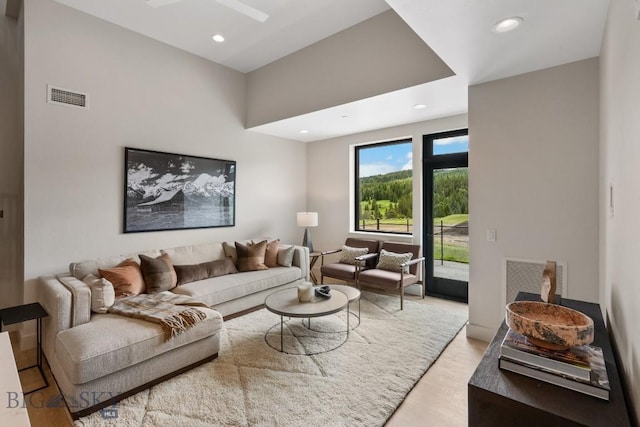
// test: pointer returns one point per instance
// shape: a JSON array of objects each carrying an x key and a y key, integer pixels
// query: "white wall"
[
  {"x": 143, "y": 94},
  {"x": 619, "y": 163},
  {"x": 379, "y": 55},
  {"x": 331, "y": 180},
  {"x": 11, "y": 144},
  {"x": 533, "y": 176}
]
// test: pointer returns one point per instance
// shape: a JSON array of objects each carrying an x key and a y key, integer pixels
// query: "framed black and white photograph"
[{"x": 166, "y": 191}]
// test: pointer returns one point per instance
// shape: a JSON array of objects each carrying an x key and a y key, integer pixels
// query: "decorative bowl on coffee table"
[{"x": 549, "y": 325}]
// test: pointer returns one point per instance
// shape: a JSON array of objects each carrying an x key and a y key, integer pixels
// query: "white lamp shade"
[{"x": 307, "y": 219}]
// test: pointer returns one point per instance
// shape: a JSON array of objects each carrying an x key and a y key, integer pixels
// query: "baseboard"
[{"x": 481, "y": 333}]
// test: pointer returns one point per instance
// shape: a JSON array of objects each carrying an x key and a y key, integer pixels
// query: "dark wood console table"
[{"x": 502, "y": 398}]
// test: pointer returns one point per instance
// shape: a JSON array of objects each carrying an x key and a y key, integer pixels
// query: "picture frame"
[{"x": 168, "y": 191}]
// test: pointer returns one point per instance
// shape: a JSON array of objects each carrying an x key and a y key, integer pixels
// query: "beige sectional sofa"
[{"x": 98, "y": 359}]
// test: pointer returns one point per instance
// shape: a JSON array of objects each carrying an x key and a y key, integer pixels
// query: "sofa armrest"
[
  {"x": 80, "y": 298},
  {"x": 301, "y": 260},
  {"x": 56, "y": 300}
]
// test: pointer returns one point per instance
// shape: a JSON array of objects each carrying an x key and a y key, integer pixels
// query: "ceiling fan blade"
[
  {"x": 160, "y": 3},
  {"x": 242, "y": 8}
]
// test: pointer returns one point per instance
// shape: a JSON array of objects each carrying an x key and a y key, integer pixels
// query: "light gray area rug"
[{"x": 361, "y": 383}]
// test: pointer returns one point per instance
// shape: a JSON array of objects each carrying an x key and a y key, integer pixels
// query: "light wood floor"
[{"x": 438, "y": 399}]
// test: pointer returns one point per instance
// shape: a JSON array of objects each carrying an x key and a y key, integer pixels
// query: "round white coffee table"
[
  {"x": 353, "y": 295},
  {"x": 285, "y": 303}
]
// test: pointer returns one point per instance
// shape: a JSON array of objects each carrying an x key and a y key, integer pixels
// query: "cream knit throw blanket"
[{"x": 175, "y": 313}]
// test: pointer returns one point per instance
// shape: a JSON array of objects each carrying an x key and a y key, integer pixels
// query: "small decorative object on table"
[
  {"x": 305, "y": 292},
  {"x": 551, "y": 343},
  {"x": 548, "y": 291},
  {"x": 323, "y": 292},
  {"x": 548, "y": 325}
]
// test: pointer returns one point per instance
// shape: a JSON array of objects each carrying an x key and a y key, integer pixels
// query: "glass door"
[{"x": 446, "y": 211}]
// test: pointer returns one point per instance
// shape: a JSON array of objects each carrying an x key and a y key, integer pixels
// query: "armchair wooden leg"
[{"x": 401, "y": 297}]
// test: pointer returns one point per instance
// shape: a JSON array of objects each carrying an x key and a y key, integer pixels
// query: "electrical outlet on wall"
[{"x": 491, "y": 235}]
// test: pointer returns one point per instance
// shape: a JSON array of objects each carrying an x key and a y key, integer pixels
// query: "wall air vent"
[
  {"x": 56, "y": 95},
  {"x": 526, "y": 275}
]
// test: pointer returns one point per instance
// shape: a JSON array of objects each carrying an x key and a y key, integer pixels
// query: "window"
[{"x": 384, "y": 187}]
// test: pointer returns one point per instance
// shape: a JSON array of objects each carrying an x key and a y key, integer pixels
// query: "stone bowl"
[{"x": 549, "y": 325}]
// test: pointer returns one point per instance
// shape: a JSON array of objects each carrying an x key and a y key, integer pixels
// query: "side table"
[
  {"x": 502, "y": 398},
  {"x": 23, "y": 313},
  {"x": 314, "y": 257}
]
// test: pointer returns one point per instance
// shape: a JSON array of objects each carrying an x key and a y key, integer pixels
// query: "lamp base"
[{"x": 306, "y": 241}]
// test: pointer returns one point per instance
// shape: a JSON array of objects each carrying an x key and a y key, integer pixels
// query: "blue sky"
[
  {"x": 381, "y": 159},
  {"x": 456, "y": 144}
]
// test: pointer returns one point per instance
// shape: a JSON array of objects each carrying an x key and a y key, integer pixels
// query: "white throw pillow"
[
  {"x": 285, "y": 255},
  {"x": 348, "y": 254},
  {"x": 103, "y": 295},
  {"x": 392, "y": 261}
]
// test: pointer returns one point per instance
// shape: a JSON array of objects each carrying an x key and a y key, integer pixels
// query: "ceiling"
[{"x": 459, "y": 31}]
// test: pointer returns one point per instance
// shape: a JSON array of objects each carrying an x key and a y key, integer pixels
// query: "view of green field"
[{"x": 386, "y": 205}]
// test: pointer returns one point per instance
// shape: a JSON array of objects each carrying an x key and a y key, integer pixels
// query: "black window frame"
[{"x": 356, "y": 199}]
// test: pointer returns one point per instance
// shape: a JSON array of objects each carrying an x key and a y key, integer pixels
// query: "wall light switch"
[{"x": 491, "y": 235}]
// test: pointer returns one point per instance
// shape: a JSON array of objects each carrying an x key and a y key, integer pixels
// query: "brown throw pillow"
[
  {"x": 251, "y": 257},
  {"x": 230, "y": 252},
  {"x": 158, "y": 273},
  {"x": 271, "y": 255},
  {"x": 126, "y": 278},
  {"x": 195, "y": 272}
]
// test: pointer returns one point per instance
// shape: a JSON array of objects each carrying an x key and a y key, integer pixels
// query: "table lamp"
[{"x": 306, "y": 220}]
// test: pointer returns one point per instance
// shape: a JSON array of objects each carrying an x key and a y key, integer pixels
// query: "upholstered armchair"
[
  {"x": 345, "y": 268},
  {"x": 399, "y": 265}
]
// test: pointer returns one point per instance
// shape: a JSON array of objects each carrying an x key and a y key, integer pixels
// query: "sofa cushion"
[
  {"x": 126, "y": 278},
  {"x": 111, "y": 342},
  {"x": 271, "y": 254},
  {"x": 195, "y": 254},
  {"x": 217, "y": 290},
  {"x": 194, "y": 272},
  {"x": 251, "y": 256},
  {"x": 102, "y": 293},
  {"x": 158, "y": 273},
  {"x": 285, "y": 255},
  {"x": 230, "y": 252},
  {"x": 80, "y": 269}
]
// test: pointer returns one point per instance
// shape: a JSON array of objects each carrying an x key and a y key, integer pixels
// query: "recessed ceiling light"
[
  {"x": 419, "y": 106},
  {"x": 218, "y": 38},
  {"x": 507, "y": 24},
  {"x": 304, "y": 131}
]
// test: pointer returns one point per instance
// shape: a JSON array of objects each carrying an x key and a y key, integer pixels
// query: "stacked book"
[{"x": 580, "y": 368}]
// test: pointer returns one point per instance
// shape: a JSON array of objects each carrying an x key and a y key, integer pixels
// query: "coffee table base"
[{"x": 281, "y": 324}]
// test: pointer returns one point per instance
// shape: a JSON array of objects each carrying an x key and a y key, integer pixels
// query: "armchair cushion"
[
  {"x": 392, "y": 261},
  {"x": 348, "y": 254},
  {"x": 377, "y": 278},
  {"x": 339, "y": 271}
]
